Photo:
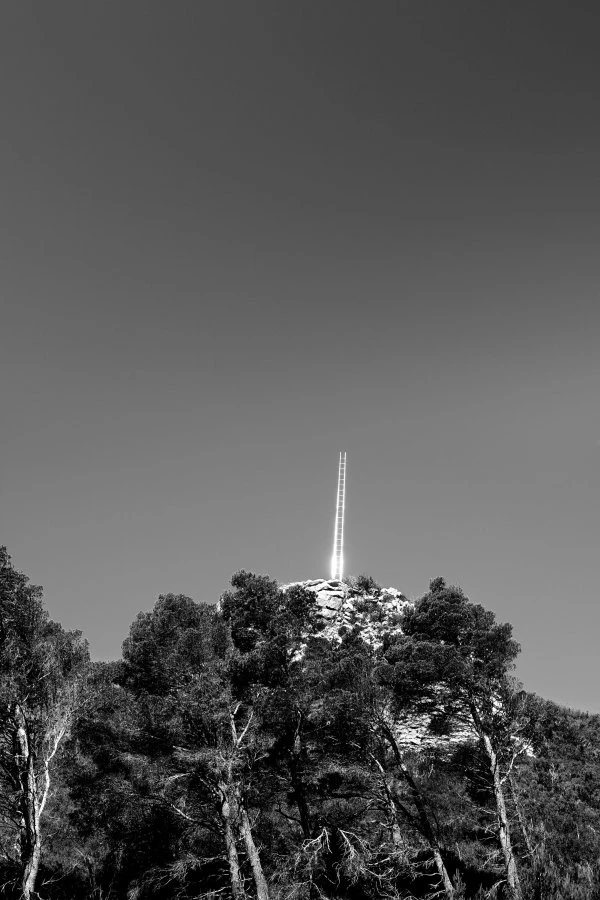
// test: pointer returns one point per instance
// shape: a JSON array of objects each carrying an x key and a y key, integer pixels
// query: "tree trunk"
[
  {"x": 298, "y": 785},
  {"x": 443, "y": 872},
  {"x": 428, "y": 832},
  {"x": 296, "y": 760},
  {"x": 229, "y": 815},
  {"x": 31, "y": 869},
  {"x": 425, "y": 825},
  {"x": 397, "y": 836},
  {"x": 260, "y": 882},
  {"x": 390, "y": 803},
  {"x": 299, "y": 789},
  {"x": 512, "y": 875},
  {"x": 519, "y": 811},
  {"x": 30, "y": 838}
]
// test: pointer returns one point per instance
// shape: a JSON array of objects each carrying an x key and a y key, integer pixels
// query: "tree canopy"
[{"x": 246, "y": 749}]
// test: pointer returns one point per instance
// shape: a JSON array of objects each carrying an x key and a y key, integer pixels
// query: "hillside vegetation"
[{"x": 308, "y": 742}]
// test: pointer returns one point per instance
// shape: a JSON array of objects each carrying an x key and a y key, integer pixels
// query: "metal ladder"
[{"x": 337, "y": 560}]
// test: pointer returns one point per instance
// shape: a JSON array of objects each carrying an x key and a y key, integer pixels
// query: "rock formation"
[
  {"x": 375, "y": 611},
  {"x": 342, "y": 607}
]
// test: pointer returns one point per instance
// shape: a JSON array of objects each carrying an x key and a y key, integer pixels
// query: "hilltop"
[
  {"x": 344, "y": 605},
  {"x": 322, "y": 739}
]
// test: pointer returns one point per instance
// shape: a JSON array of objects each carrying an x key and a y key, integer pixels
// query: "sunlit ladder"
[{"x": 337, "y": 559}]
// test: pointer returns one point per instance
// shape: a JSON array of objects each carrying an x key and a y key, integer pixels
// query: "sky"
[{"x": 237, "y": 238}]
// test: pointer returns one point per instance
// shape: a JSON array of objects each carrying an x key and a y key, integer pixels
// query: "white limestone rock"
[{"x": 341, "y": 608}]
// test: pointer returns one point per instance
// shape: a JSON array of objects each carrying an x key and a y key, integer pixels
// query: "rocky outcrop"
[
  {"x": 375, "y": 611},
  {"x": 342, "y": 607}
]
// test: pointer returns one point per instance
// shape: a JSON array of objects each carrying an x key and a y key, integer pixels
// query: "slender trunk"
[
  {"x": 443, "y": 872},
  {"x": 260, "y": 882},
  {"x": 425, "y": 825},
  {"x": 30, "y": 839},
  {"x": 229, "y": 815},
  {"x": 297, "y": 757},
  {"x": 240, "y": 817},
  {"x": 428, "y": 831},
  {"x": 519, "y": 811},
  {"x": 299, "y": 788},
  {"x": 31, "y": 869},
  {"x": 301, "y": 804},
  {"x": 397, "y": 838},
  {"x": 512, "y": 875}
]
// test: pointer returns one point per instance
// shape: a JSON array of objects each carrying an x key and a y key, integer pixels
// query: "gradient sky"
[{"x": 239, "y": 237}]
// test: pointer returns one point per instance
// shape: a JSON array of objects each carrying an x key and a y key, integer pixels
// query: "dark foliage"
[{"x": 234, "y": 752}]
